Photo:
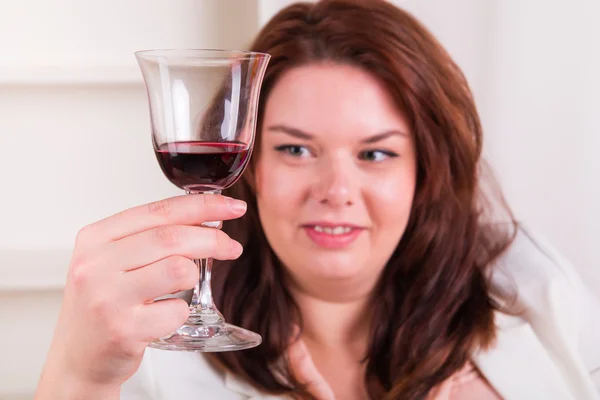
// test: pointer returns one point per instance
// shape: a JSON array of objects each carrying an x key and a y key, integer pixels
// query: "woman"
[{"x": 370, "y": 266}]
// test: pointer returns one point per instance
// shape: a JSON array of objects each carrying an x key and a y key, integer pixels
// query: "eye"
[
  {"x": 293, "y": 150},
  {"x": 376, "y": 155}
]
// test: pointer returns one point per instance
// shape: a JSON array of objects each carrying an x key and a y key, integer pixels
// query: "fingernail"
[
  {"x": 236, "y": 248},
  {"x": 236, "y": 205}
]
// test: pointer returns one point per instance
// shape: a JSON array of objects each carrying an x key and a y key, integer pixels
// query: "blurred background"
[{"x": 75, "y": 140}]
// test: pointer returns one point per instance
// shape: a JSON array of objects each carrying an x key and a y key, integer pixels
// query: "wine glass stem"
[{"x": 202, "y": 307}]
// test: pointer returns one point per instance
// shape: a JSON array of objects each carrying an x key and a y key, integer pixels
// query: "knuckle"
[
  {"x": 219, "y": 237},
  {"x": 79, "y": 273},
  {"x": 212, "y": 200},
  {"x": 179, "y": 268},
  {"x": 168, "y": 236},
  {"x": 222, "y": 241},
  {"x": 102, "y": 309},
  {"x": 161, "y": 207},
  {"x": 119, "y": 334},
  {"x": 118, "y": 329},
  {"x": 83, "y": 235}
]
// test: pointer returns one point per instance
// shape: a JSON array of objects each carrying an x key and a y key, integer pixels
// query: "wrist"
[{"x": 66, "y": 386}]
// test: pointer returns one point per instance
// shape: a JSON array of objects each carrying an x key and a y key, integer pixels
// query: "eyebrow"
[{"x": 297, "y": 133}]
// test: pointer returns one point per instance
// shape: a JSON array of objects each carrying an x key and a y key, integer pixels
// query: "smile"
[
  {"x": 330, "y": 236},
  {"x": 338, "y": 230}
]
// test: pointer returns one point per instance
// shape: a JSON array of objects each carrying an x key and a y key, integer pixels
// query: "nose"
[{"x": 334, "y": 184}]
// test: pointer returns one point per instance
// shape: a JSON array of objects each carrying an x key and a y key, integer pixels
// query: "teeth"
[{"x": 338, "y": 230}]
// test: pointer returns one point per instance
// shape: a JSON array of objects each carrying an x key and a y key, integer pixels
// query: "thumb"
[{"x": 306, "y": 372}]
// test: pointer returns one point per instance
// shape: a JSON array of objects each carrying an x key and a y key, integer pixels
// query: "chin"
[{"x": 335, "y": 266}]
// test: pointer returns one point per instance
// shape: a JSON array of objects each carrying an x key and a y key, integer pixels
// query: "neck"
[{"x": 331, "y": 321}]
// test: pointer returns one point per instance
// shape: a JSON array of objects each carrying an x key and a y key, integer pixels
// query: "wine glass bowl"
[
  {"x": 203, "y": 110},
  {"x": 200, "y": 167}
]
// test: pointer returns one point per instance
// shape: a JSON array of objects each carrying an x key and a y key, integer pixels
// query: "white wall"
[
  {"x": 533, "y": 67},
  {"x": 541, "y": 107},
  {"x": 75, "y": 139},
  {"x": 76, "y": 147}
]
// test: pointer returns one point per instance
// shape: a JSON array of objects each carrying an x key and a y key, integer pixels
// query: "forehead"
[{"x": 327, "y": 98}]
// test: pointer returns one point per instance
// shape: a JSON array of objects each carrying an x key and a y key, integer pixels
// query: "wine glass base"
[{"x": 208, "y": 338}]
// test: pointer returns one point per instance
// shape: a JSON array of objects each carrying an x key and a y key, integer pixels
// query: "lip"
[
  {"x": 330, "y": 241},
  {"x": 330, "y": 224}
]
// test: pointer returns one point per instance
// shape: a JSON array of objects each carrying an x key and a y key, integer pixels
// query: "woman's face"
[{"x": 335, "y": 178}]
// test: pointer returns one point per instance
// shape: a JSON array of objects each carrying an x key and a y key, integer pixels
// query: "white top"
[{"x": 552, "y": 352}]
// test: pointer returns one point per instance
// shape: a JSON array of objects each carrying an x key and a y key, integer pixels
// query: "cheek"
[
  {"x": 396, "y": 193},
  {"x": 391, "y": 201},
  {"x": 279, "y": 190},
  {"x": 273, "y": 183}
]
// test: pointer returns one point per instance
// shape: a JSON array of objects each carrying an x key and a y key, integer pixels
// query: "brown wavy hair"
[{"x": 432, "y": 305}]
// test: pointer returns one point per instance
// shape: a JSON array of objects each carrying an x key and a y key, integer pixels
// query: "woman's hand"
[
  {"x": 304, "y": 369},
  {"x": 119, "y": 266}
]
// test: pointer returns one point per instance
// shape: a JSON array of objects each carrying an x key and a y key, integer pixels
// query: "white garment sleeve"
[
  {"x": 586, "y": 307},
  {"x": 590, "y": 336},
  {"x": 589, "y": 313}
]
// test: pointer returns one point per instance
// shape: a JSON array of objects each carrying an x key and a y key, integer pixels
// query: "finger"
[
  {"x": 147, "y": 247},
  {"x": 306, "y": 372},
  {"x": 166, "y": 276},
  {"x": 158, "y": 319},
  {"x": 180, "y": 210}
]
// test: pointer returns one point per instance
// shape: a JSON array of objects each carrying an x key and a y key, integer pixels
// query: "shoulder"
[
  {"x": 535, "y": 280},
  {"x": 172, "y": 375}
]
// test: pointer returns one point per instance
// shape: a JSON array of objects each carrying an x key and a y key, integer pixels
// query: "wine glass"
[{"x": 203, "y": 110}]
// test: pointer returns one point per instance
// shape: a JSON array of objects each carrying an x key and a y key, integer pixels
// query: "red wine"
[{"x": 202, "y": 166}]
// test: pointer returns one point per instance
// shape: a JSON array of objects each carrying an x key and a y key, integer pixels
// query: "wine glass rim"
[{"x": 193, "y": 53}]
